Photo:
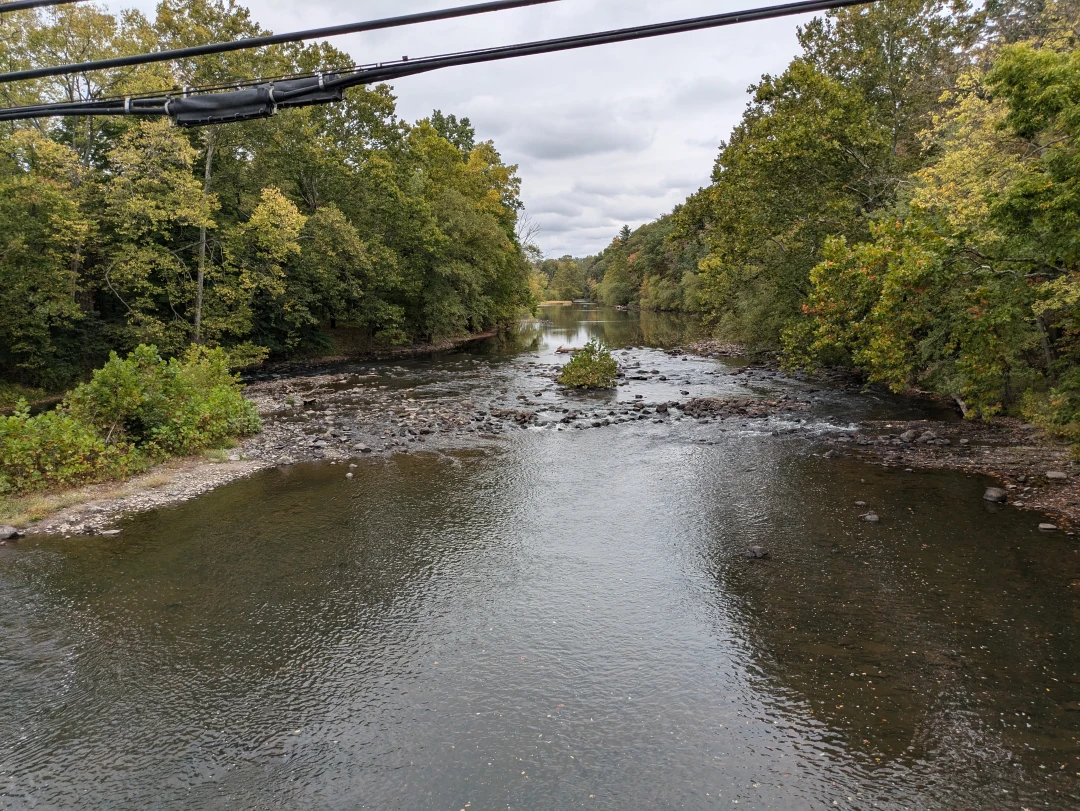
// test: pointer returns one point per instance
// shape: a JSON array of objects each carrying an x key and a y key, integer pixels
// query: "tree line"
[
  {"x": 903, "y": 199},
  {"x": 318, "y": 229}
]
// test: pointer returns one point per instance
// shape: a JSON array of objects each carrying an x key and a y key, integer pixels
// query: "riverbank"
[
  {"x": 375, "y": 412},
  {"x": 303, "y": 366},
  {"x": 1038, "y": 473},
  {"x": 1018, "y": 455}
]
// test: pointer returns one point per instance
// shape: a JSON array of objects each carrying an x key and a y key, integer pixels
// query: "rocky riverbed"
[
  {"x": 1038, "y": 474},
  {"x": 365, "y": 412}
]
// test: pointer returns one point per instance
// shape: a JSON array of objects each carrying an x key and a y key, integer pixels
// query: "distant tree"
[
  {"x": 458, "y": 132},
  {"x": 568, "y": 282},
  {"x": 624, "y": 234}
]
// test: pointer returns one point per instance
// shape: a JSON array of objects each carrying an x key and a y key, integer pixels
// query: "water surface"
[{"x": 564, "y": 620}]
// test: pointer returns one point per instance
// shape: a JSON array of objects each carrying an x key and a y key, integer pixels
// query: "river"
[{"x": 559, "y": 619}]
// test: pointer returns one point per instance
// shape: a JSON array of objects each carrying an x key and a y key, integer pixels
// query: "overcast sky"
[{"x": 604, "y": 136}]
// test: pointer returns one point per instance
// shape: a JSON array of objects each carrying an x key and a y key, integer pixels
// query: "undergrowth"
[{"x": 134, "y": 412}]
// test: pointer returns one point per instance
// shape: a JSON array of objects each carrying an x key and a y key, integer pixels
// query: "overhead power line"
[
  {"x": 22, "y": 5},
  {"x": 264, "y": 99},
  {"x": 264, "y": 41}
]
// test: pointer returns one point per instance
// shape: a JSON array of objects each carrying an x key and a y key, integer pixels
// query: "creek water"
[{"x": 564, "y": 620}]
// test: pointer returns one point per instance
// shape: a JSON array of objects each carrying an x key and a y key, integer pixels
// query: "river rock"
[
  {"x": 1048, "y": 527},
  {"x": 757, "y": 553},
  {"x": 996, "y": 495},
  {"x": 831, "y": 454},
  {"x": 928, "y": 436},
  {"x": 870, "y": 518},
  {"x": 909, "y": 436},
  {"x": 8, "y": 533},
  {"x": 1056, "y": 476}
]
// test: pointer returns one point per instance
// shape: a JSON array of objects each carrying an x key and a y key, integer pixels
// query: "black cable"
[
  {"x": 215, "y": 108},
  {"x": 269, "y": 39},
  {"x": 413, "y": 67},
  {"x": 22, "y": 5}
]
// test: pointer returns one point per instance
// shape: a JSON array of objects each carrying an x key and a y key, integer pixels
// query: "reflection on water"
[
  {"x": 560, "y": 325},
  {"x": 566, "y": 622}
]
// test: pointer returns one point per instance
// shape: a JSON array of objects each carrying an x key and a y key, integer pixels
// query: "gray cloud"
[
  {"x": 615, "y": 134},
  {"x": 556, "y": 206},
  {"x": 565, "y": 141}
]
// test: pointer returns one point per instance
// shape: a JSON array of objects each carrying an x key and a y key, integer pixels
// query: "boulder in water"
[{"x": 997, "y": 495}]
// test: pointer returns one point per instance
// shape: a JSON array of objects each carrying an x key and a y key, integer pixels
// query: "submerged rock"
[
  {"x": 1048, "y": 527},
  {"x": 757, "y": 553},
  {"x": 870, "y": 518},
  {"x": 996, "y": 494}
]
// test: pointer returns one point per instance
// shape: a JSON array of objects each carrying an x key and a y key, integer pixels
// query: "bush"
[
  {"x": 165, "y": 407},
  {"x": 1058, "y": 411},
  {"x": 54, "y": 449},
  {"x": 11, "y": 394},
  {"x": 133, "y": 411},
  {"x": 591, "y": 368}
]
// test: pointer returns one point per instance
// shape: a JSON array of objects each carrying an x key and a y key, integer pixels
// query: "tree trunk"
[{"x": 211, "y": 139}]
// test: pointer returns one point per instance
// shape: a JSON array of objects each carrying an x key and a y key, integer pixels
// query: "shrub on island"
[{"x": 592, "y": 367}]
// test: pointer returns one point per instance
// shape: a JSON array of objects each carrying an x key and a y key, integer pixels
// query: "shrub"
[
  {"x": 133, "y": 411},
  {"x": 591, "y": 368},
  {"x": 1058, "y": 411},
  {"x": 165, "y": 407},
  {"x": 11, "y": 394},
  {"x": 54, "y": 449}
]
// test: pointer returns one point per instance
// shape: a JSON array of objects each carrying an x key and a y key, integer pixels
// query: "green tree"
[
  {"x": 821, "y": 149},
  {"x": 568, "y": 282},
  {"x": 460, "y": 133},
  {"x": 42, "y": 230}
]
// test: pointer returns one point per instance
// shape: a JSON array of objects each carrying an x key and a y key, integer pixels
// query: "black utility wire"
[
  {"x": 22, "y": 5},
  {"x": 269, "y": 39},
  {"x": 412, "y": 67},
  {"x": 386, "y": 72}
]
